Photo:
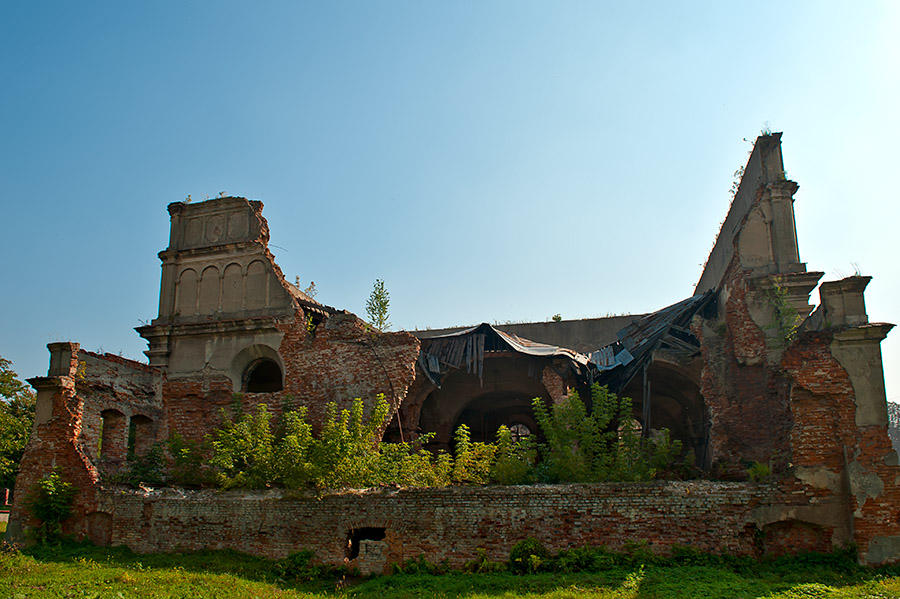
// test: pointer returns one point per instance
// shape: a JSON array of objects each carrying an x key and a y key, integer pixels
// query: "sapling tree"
[{"x": 377, "y": 306}]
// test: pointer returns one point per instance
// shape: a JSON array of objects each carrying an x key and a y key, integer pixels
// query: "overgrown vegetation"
[
  {"x": 785, "y": 318},
  {"x": 256, "y": 450},
  {"x": 16, "y": 419},
  {"x": 50, "y": 501},
  {"x": 591, "y": 572},
  {"x": 601, "y": 445}
]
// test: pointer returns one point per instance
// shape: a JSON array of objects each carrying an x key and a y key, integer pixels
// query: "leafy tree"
[
  {"x": 16, "y": 420},
  {"x": 377, "y": 306}
]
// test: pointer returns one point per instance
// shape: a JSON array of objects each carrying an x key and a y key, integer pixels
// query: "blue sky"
[{"x": 490, "y": 161}]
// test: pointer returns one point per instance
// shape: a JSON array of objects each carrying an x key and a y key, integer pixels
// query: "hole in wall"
[{"x": 355, "y": 535}]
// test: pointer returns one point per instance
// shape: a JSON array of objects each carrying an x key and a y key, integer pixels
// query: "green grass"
[{"x": 87, "y": 571}]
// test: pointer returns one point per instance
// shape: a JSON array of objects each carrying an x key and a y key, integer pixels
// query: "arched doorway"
[
  {"x": 503, "y": 395},
  {"x": 485, "y": 414},
  {"x": 676, "y": 404}
]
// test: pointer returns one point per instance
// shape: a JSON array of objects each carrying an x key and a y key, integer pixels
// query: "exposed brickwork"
[
  {"x": 746, "y": 397},
  {"x": 345, "y": 359},
  {"x": 54, "y": 443},
  {"x": 440, "y": 524}
]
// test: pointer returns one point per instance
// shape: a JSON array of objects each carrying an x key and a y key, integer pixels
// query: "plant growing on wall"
[
  {"x": 472, "y": 460},
  {"x": 256, "y": 451},
  {"x": 785, "y": 318},
  {"x": 250, "y": 452},
  {"x": 514, "y": 460},
  {"x": 377, "y": 306},
  {"x": 243, "y": 451}
]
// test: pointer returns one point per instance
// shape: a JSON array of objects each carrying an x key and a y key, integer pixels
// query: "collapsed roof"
[{"x": 613, "y": 365}]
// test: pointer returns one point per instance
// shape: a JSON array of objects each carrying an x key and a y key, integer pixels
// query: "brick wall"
[
  {"x": 449, "y": 523},
  {"x": 747, "y": 399}
]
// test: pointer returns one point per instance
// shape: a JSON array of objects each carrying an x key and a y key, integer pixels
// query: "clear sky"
[{"x": 490, "y": 161}]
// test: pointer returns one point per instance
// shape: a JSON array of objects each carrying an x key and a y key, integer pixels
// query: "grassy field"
[{"x": 85, "y": 571}]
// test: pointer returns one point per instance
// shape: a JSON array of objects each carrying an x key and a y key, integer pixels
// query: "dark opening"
[
  {"x": 362, "y": 534},
  {"x": 263, "y": 376},
  {"x": 487, "y": 413}
]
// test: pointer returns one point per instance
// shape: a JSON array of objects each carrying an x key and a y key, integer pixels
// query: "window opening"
[
  {"x": 112, "y": 435},
  {"x": 263, "y": 376},
  {"x": 140, "y": 437}
]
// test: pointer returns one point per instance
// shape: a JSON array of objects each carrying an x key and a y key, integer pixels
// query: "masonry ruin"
[{"x": 729, "y": 372}]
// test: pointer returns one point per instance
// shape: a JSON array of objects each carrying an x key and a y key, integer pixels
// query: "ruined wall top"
[
  {"x": 771, "y": 247},
  {"x": 215, "y": 223}
]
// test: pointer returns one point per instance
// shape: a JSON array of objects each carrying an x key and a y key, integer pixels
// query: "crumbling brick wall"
[
  {"x": 451, "y": 523},
  {"x": 80, "y": 387},
  {"x": 789, "y": 403},
  {"x": 746, "y": 396},
  {"x": 344, "y": 358}
]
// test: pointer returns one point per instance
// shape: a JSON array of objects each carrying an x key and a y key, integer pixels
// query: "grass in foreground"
[{"x": 96, "y": 572}]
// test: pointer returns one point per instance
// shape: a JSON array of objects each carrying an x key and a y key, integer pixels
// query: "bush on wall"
[{"x": 255, "y": 450}]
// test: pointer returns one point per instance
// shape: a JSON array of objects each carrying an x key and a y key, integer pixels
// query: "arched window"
[
  {"x": 262, "y": 376},
  {"x": 519, "y": 431},
  {"x": 140, "y": 435},
  {"x": 112, "y": 435}
]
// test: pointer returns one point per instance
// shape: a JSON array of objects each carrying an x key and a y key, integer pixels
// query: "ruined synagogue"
[{"x": 730, "y": 376}]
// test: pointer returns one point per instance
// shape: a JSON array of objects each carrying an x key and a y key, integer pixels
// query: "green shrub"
[
  {"x": 528, "y": 556},
  {"x": 600, "y": 445},
  {"x": 256, "y": 451},
  {"x": 410, "y": 465},
  {"x": 514, "y": 460},
  {"x": 583, "y": 559},
  {"x": 759, "y": 472},
  {"x": 472, "y": 461},
  {"x": 482, "y": 565},
  {"x": 419, "y": 565},
  {"x": 292, "y": 455},
  {"x": 50, "y": 502},
  {"x": 147, "y": 469},
  {"x": 188, "y": 467},
  {"x": 347, "y": 453},
  {"x": 243, "y": 452}
]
